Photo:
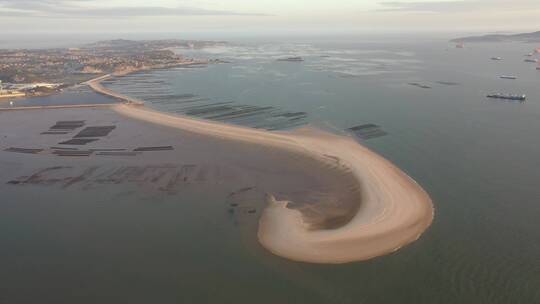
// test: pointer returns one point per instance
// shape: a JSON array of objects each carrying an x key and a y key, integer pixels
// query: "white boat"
[
  {"x": 507, "y": 77},
  {"x": 496, "y": 58}
]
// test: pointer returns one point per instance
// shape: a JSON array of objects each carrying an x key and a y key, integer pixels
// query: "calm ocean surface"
[{"x": 478, "y": 158}]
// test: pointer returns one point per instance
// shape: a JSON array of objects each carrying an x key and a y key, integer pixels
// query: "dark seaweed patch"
[
  {"x": 419, "y": 85},
  {"x": 159, "y": 148},
  {"x": 78, "y": 141},
  {"x": 448, "y": 83},
  {"x": 68, "y": 125},
  {"x": 112, "y": 153},
  {"x": 72, "y": 153},
  {"x": 54, "y": 132},
  {"x": 95, "y": 131},
  {"x": 367, "y": 131},
  {"x": 23, "y": 150}
]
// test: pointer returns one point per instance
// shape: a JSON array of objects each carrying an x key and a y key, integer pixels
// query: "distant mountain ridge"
[{"x": 524, "y": 37}]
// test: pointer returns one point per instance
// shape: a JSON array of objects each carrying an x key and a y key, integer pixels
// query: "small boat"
[
  {"x": 508, "y": 96},
  {"x": 531, "y": 60},
  {"x": 508, "y": 77},
  {"x": 496, "y": 58}
]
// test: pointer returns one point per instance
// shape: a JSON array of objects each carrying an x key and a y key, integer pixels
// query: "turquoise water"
[{"x": 477, "y": 158}]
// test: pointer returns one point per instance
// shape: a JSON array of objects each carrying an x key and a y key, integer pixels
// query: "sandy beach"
[
  {"x": 393, "y": 210},
  {"x": 341, "y": 202}
]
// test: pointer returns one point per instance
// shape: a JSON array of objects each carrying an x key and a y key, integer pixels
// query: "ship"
[
  {"x": 496, "y": 58},
  {"x": 508, "y": 96},
  {"x": 531, "y": 60},
  {"x": 507, "y": 77}
]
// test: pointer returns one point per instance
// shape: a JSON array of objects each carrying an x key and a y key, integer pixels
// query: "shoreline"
[
  {"x": 394, "y": 210},
  {"x": 102, "y": 90}
]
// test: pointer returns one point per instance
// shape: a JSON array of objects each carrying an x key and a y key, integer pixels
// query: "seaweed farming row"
[
  {"x": 260, "y": 117},
  {"x": 367, "y": 131},
  {"x": 90, "y": 134},
  {"x": 169, "y": 178},
  {"x": 158, "y": 94}
]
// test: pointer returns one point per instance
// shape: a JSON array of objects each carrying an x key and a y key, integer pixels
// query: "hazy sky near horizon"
[{"x": 269, "y": 15}]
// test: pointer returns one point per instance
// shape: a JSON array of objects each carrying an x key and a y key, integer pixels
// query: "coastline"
[
  {"x": 95, "y": 84},
  {"x": 394, "y": 210}
]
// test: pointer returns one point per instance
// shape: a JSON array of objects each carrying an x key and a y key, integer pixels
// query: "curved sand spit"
[{"x": 394, "y": 210}]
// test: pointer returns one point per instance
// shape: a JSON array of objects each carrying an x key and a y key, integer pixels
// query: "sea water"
[{"x": 478, "y": 159}]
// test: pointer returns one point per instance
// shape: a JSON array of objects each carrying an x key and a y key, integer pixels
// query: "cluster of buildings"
[
  {"x": 7, "y": 92},
  {"x": 52, "y": 67}
]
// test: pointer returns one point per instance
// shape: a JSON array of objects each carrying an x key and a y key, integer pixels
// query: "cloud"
[
  {"x": 81, "y": 9},
  {"x": 457, "y": 6}
]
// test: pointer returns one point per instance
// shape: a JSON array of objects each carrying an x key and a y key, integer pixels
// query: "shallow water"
[{"x": 477, "y": 158}]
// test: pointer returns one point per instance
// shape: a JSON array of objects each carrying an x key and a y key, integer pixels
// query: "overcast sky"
[{"x": 253, "y": 15}]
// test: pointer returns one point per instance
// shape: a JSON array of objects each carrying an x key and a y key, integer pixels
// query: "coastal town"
[{"x": 36, "y": 72}]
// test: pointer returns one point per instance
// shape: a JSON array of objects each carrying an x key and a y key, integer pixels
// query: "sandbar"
[
  {"x": 393, "y": 210},
  {"x": 370, "y": 207}
]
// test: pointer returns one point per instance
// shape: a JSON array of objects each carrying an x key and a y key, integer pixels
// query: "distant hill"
[
  {"x": 123, "y": 44},
  {"x": 525, "y": 37}
]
